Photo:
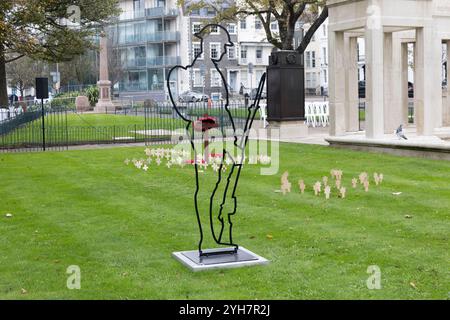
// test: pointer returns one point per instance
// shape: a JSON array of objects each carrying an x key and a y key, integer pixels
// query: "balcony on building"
[
  {"x": 144, "y": 80},
  {"x": 152, "y": 62},
  {"x": 243, "y": 61},
  {"x": 149, "y": 13},
  {"x": 149, "y": 36}
]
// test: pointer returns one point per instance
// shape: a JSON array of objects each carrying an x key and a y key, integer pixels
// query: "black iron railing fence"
[
  {"x": 13, "y": 123},
  {"x": 132, "y": 122},
  {"x": 64, "y": 127}
]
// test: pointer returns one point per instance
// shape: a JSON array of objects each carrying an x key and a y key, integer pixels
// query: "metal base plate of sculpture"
[
  {"x": 220, "y": 259},
  {"x": 228, "y": 254}
]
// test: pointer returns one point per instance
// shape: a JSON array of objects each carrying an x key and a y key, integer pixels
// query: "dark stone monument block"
[{"x": 285, "y": 86}]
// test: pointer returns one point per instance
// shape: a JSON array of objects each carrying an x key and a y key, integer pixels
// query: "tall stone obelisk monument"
[{"x": 104, "y": 85}]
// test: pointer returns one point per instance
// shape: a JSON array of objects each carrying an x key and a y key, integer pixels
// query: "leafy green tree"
[{"x": 51, "y": 30}]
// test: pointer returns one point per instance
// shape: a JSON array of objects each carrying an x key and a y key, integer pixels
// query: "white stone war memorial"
[
  {"x": 104, "y": 85},
  {"x": 388, "y": 26}
]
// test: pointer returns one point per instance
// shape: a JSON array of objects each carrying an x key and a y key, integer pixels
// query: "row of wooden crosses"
[{"x": 336, "y": 175}]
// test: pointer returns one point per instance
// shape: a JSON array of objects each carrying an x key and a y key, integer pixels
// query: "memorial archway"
[{"x": 388, "y": 26}]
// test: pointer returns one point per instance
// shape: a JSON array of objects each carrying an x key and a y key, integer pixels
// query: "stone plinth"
[
  {"x": 290, "y": 129},
  {"x": 417, "y": 146},
  {"x": 104, "y": 102},
  {"x": 82, "y": 103}
]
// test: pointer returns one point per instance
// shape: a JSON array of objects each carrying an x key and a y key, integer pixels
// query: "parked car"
[
  {"x": 410, "y": 90},
  {"x": 361, "y": 89},
  {"x": 253, "y": 94},
  {"x": 192, "y": 96}
]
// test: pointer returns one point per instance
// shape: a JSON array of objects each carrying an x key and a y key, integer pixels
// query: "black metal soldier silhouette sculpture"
[{"x": 221, "y": 236}]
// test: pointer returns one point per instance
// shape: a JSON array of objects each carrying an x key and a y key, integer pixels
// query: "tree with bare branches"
[
  {"x": 115, "y": 64},
  {"x": 22, "y": 73},
  {"x": 285, "y": 12}
]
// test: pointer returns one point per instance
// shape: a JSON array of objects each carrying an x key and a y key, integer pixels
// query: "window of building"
[
  {"x": 258, "y": 24},
  {"x": 197, "y": 50},
  {"x": 136, "y": 5},
  {"x": 324, "y": 28},
  {"x": 139, "y": 32},
  {"x": 259, "y": 53},
  {"x": 231, "y": 53},
  {"x": 243, "y": 52},
  {"x": 244, "y": 78},
  {"x": 258, "y": 75},
  {"x": 274, "y": 26},
  {"x": 214, "y": 50},
  {"x": 243, "y": 24},
  {"x": 123, "y": 55},
  {"x": 160, "y": 26},
  {"x": 198, "y": 79},
  {"x": 139, "y": 52},
  {"x": 133, "y": 77},
  {"x": 324, "y": 52},
  {"x": 231, "y": 27},
  {"x": 325, "y": 76},
  {"x": 139, "y": 56},
  {"x": 310, "y": 80},
  {"x": 196, "y": 27},
  {"x": 216, "y": 80},
  {"x": 215, "y": 30},
  {"x": 156, "y": 79},
  {"x": 310, "y": 59}
]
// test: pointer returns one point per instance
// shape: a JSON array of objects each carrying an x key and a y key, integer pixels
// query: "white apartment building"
[
  {"x": 316, "y": 61},
  {"x": 322, "y": 36},
  {"x": 147, "y": 38},
  {"x": 253, "y": 50}
]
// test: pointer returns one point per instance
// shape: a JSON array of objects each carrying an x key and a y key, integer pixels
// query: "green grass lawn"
[
  {"x": 87, "y": 128},
  {"x": 120, "y": 225},
  {"x": 109, "y": 120},
  {"x": 101, "y": 120}
]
